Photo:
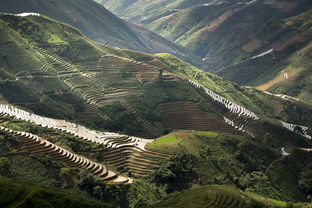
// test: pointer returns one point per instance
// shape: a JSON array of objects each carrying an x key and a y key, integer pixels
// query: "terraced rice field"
[
  {"x": 36, "y": 145},
  {"x": 211, "y": 196},
  {"x": 186, "y": 115},
  {"x": 124, "y": 152},
  {"x": 134, "y": 160}
]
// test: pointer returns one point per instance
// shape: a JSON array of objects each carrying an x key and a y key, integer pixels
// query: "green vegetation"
[
  {"x": 216, "y": 159},
  {"x": 203, "y": 26},
  {"x": 21, "y": 194},
  {"x": 97, "y": 23},
  {"x": 42, "y": 169},
  {"x": 178, "y": 142},
  {"x": 143, "y": 12},
  {"x": 249, "y": 97},
  {"x": 60, "y": 87},
  {"x": 217, "y": 197},
  {"x": 51, "y": 69},
  {"x": 254, "y": 166},
  {"x": 221, "y": 196}
]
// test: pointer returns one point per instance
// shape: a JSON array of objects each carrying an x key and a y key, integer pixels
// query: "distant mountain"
[
  {"x": 248, "y": 42},
  {"x": 226, "y": 32},
  {"x": 219, "y": 132},
  {"x": 145, "y": 11},
  {"x": 44, "y": 62},
  {"x": 97, "y": 23}
]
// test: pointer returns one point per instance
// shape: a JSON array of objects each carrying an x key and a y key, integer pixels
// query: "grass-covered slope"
[
  {"x": 226, "y": 32},
  {"x": 255, "y": 43},
  {"x": 25, "y": 160},
  {"x": 144, "y": 11},
  {"x": 222, "y": 196},
  {"x": 97, "y": 23},
  {"x": 60, "y": 73},
  {"x": 26, "y": 78},
  {"x": 254, "y": 165},
  {"x": 216, "y": 197},
  {"x": 286, "y": 69},
  {"x": 253, "y": 99},
  {"x": 22, "y": 194}
]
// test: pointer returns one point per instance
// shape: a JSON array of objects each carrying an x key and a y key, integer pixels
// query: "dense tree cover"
[{"x": 249, "y": 165}]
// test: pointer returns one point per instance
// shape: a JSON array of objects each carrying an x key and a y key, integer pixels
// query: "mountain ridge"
[
  {"x": 230, "y": 37},
  {"x": 211, "y": 131},
  {"x": 99, "y": 25}
]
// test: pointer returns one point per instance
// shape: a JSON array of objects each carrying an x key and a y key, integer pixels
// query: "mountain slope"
[
  {"x": 50, "y": 69},
  {"x": 143, "y": 11},
  {"x": 286, "y": 69},
  {"x": 205, "y": 29},
  {"x": 26, "y": 194},
  {"x": 215, "y": 196},
  {"x": 93, "y": 84},
  {"x": 97, "y": 23},
  {"x": 253, "y": 43}
]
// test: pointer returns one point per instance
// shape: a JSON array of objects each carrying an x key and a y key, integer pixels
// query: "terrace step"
[
  {"x": 45, "y": 147},
  {"x": 186, "y": 115},
  {"x": 123, "y": 149}
]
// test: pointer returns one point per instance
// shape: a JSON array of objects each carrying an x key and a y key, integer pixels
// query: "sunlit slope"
[
  {"x": 259, "y": 43},
  {"x": 97, "y": 23},
  {"x": 269, "y": 50},
  {"x": 62, "y": 74},
  {"x": 285, "y": 69},
  {"x": 216, "y": 197},
  {"x": 27, "y": 194},
  {"x": 227, "y": 32},
  {"x": 144, "y": 11}
]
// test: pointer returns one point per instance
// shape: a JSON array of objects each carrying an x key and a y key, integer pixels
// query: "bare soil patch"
[
  {"x": 252, "y": 45},
  {"x": 300, "y": 37},
  {"x": 282, "y": 5}
]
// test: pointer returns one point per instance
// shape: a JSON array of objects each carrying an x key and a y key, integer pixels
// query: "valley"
[
  {"x": 97, "y": 108},
  {"x": 232, "y": 40}
]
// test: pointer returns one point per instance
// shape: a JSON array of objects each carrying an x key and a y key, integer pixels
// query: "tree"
[
  {"x": 305, "y": 181},
  {"x": 4, "y": 166}
]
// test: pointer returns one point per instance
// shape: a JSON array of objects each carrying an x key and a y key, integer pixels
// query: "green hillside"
[
  {"x": 221, "y": 196},
  {"x": 281, "y": 72},
  {"x": 97, "y": 23},
  {"x": 217, "y": 196},
  {"x": 92, "y": 84},
  {"x": 231, "y": 135},
  {"x": 210, "y": 158},
  {"x": 143, "y": 11},
  {"x": 205, "y": 29},
  {"x": 253, "y": 43},
  {"x": 30, "y": 163},
  {"x": 251, "y": 98},
  {"x": 20, "y": 194}
]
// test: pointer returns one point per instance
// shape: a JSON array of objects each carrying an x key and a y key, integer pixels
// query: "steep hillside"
[
  {"x": 97, "y": 23},
  {"x": 60, "y": 154},
  {"x": 23, "y": 194},
  {"x": 221, "y": 196},
  {"x": 289, "y": 76},
  {"x": 259, "y": 43},
  {"x": 144, "y": 11},
  {"x": 92, "y": 84},
  {"x": 205, "y": 28},
  {"x": 214, "y": 158},
  {"x": 285, "y": 69},
  {"x": 85, "y": 115},
  {"x": 216, "y": 197}
]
